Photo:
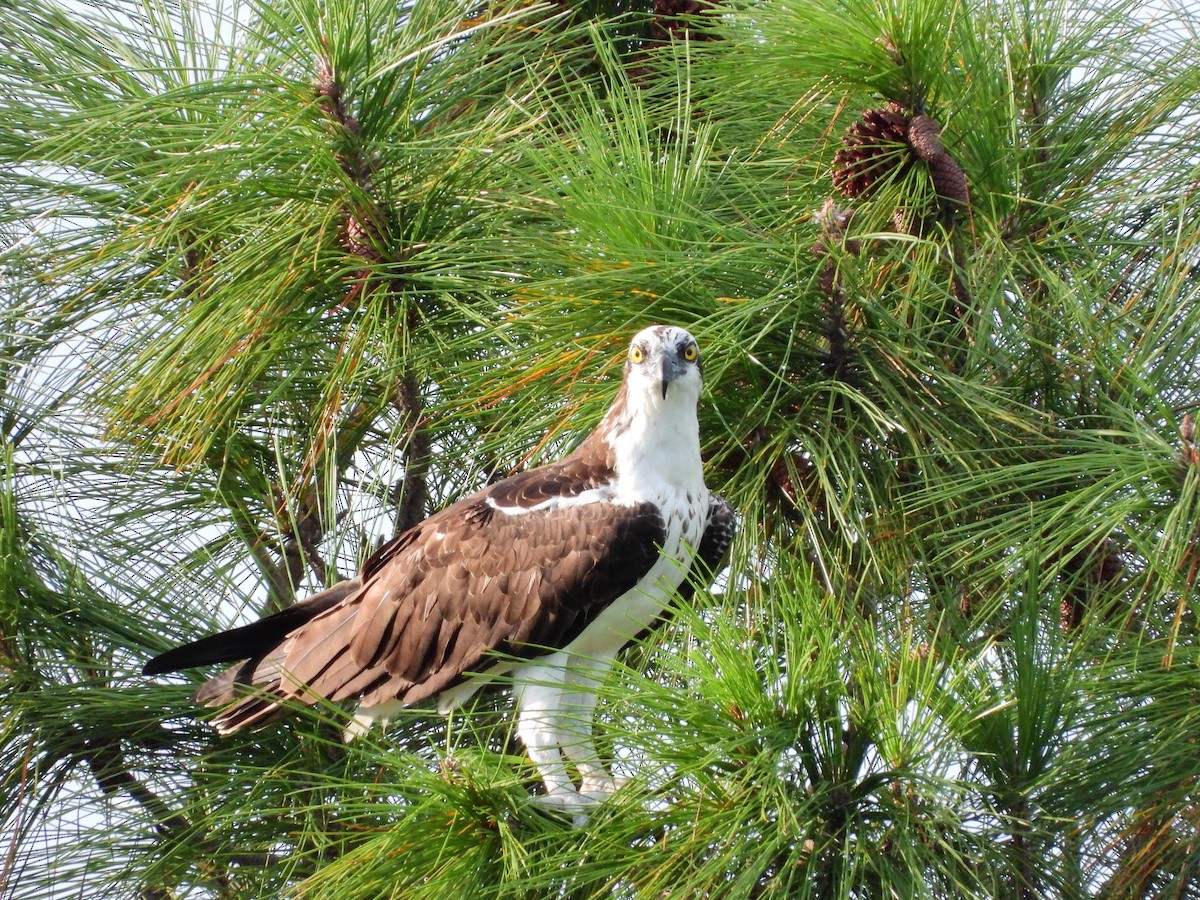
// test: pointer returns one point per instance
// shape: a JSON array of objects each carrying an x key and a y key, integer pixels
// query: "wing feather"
[{"x": 438, "y": 602}]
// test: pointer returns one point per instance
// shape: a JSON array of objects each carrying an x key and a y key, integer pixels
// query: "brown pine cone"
[
  {"x": 875, "y": 146},
  {"x": 666, "y": 22},
  {"x": 949, "y": 180}
]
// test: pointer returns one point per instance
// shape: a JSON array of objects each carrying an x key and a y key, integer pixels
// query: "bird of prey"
[{"x": 541, "y": 577}]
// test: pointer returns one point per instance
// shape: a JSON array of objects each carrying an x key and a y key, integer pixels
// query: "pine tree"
[{"x": 281, "y": 277}]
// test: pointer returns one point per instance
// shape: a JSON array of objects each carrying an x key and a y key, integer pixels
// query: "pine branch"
[{"x": 412, "y": 493}]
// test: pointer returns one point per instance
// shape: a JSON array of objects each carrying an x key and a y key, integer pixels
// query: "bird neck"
[{"x": 653, "y": 444}]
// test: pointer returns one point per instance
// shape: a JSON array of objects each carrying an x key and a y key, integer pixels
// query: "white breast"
[{"x": 657, "y": 460}]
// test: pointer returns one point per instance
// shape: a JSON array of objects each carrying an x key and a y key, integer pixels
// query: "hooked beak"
[{"x": 670, "y": 371}]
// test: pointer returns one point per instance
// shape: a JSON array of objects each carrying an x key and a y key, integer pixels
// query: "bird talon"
[{"x": 572, "y": 804}]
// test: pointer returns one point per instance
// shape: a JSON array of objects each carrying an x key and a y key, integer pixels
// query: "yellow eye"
[
  {"x": 637, "y": 354},
  {"x": 690, "y": 353}
]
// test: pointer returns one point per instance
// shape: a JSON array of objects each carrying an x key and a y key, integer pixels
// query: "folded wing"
[{"x": 433, "y": 607}]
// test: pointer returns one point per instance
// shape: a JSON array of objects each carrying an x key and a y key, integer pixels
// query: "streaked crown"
[{"x": 664, "y": 362}]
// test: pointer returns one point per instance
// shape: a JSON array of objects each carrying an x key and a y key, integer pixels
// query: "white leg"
[
  {"x": 539, "y": 698},
  {"x": 583, "y": 676}
]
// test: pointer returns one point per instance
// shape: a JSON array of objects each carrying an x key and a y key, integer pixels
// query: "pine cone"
[
  {"x": 949, "y": 180},
  {"x": 360, "y": 239},
  {"x": 875, "y": 146},
  {"x": 666, "y": 22},
  {"x": 1090, "y": 572},
  {"x": 1189, "y": 454}
]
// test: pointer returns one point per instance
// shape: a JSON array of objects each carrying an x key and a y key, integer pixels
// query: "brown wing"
[
  {"x": 440, "y": 599},
  {"x": 469, "y": 582}
]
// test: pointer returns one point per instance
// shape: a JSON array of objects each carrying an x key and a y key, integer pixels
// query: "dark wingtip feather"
[
  {"x": 161, "y": 664},
  {"x": 256, "y": 639},
  {"x": 178, "y": 658},
  {"x": 227, "y": 646}
]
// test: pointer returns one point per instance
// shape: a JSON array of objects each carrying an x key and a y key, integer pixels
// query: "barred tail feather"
[{"x": 250, "y": 691}]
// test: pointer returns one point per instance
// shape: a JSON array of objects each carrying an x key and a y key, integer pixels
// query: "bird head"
[{"x": 663, "y": 366}]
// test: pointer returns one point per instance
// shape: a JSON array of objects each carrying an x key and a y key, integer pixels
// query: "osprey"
[{"x": 543, "y": 577}]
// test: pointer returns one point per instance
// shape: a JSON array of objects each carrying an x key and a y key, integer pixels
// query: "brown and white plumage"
[{"x": 543, "y": 576}]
